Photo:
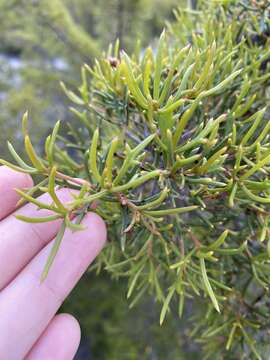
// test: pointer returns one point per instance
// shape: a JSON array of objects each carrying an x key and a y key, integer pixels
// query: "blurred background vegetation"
[{"x": 41, "y": 43}]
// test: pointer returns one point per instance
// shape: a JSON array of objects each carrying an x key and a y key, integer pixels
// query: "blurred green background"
[{"x": 43, "y": 42}]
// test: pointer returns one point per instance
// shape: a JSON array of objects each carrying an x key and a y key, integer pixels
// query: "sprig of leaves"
[{"x": 173, "y": 151}]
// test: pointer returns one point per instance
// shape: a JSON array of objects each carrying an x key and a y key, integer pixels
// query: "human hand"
[{"x": 28, "y": 326}]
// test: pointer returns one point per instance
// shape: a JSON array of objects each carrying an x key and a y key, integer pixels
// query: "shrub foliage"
[{"x": 172, "y": 149}]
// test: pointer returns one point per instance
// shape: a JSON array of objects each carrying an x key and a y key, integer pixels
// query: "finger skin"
[
  {"x": 59, "y": 341},
  {"x": 21, "y": 241},
  {"x": 9, "y": 180},
  {"x": 27, "y": 306}
]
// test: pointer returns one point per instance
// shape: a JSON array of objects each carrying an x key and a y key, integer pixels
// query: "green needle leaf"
[
  {"x": 70, "y": 94},
  {"x": 158, "y": 66},
  {"x": 51, "y": 190},
  {"x": 254, "y": 197},
  {"x": 92, "y": 162},
  {"x": 256, "y": 167},
  {"x": 18, "y": 159},
  {"x": 32, "y": 154},
  {"x": 258, "y": 117},
  {"x": 171, "y": 211},
  {"x": 222, "y": 85},
  {"x": 17, "y": 168},
  {"x": 52, "y": 142},
  {"x": 137, "y": 182},
  {"x": 131, "y": 82},
  {"x": 38, "y": 219},
  {"x": 219, "y": 241},
  {"x": 38, "y": 203},
  {"x": 132, "y": 156},
  {"x": 109, "y": 160},
  {"x": 152, "y": 204},
  {"x": 166, "y": 304},
  {"x": 54, "y": 250},
  {"x": 134, "y": 281},
  {"x": 231, "y": 336},
  {"x": 208, "y": 285}
]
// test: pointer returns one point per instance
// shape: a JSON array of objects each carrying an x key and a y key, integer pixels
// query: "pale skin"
[{"x": 29, "y": 327}]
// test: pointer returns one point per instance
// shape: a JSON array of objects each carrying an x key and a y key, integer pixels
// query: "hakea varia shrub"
[{"x": 172, "y": 149}]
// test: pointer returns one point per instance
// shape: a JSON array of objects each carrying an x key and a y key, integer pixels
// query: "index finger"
[
  {"x": 9, "y": 180},
  {"x": 27, "y": 305}
]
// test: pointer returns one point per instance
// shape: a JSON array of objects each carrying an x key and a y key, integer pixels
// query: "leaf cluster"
[{"x": 172, "y": 150}]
